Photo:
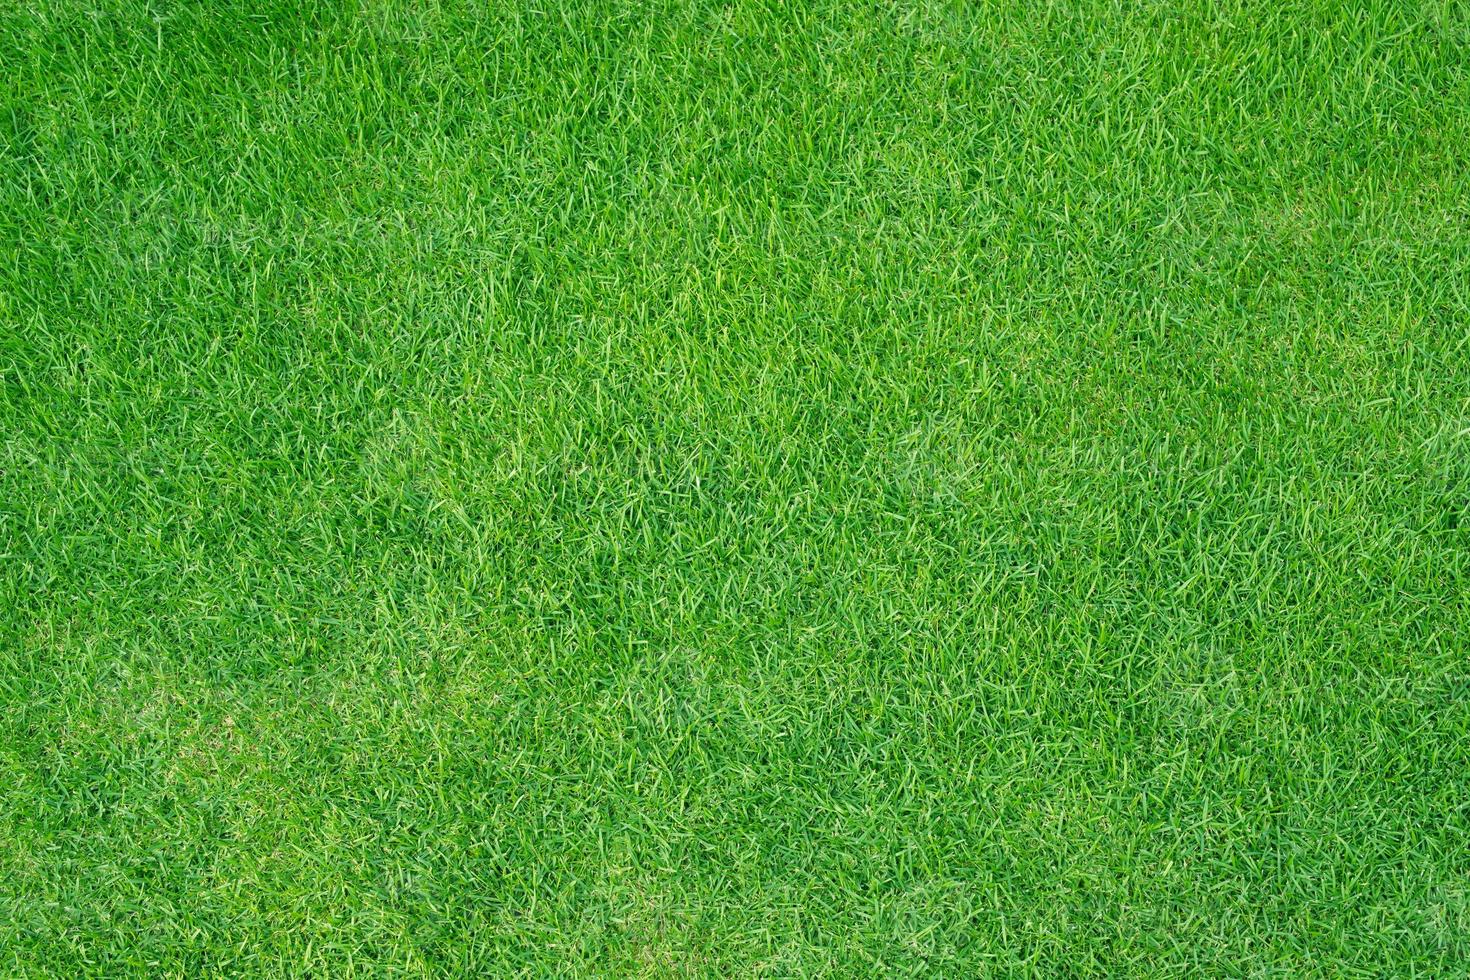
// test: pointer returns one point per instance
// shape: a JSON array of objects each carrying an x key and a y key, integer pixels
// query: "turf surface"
[{"x": 743, "y": 489}]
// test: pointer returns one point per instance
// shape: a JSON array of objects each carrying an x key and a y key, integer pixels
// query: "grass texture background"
[{"x": 756, "y": 488}]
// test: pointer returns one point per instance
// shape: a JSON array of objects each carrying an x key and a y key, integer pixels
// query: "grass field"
[{"x": 744, "y": 489}]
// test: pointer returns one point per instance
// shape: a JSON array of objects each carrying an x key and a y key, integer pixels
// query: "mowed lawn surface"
[{"x": 734, "y": 489}]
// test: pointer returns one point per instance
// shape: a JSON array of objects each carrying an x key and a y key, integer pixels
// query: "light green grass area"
[{"x": 734, "y": 489}]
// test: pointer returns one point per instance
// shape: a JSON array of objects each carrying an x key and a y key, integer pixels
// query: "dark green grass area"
[{"x": 741, "y": 489}]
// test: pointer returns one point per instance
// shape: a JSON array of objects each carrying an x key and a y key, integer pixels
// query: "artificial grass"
[{"x": 742, "y": 489}]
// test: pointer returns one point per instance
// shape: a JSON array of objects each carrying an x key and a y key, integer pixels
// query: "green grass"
[{"x": 745, "y": 489}]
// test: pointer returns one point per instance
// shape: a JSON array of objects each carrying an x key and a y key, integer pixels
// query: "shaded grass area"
[{"x": 746, "y": 489}]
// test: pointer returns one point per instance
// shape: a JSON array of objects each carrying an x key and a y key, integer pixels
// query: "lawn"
[{"x": 761, "y": 488}]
